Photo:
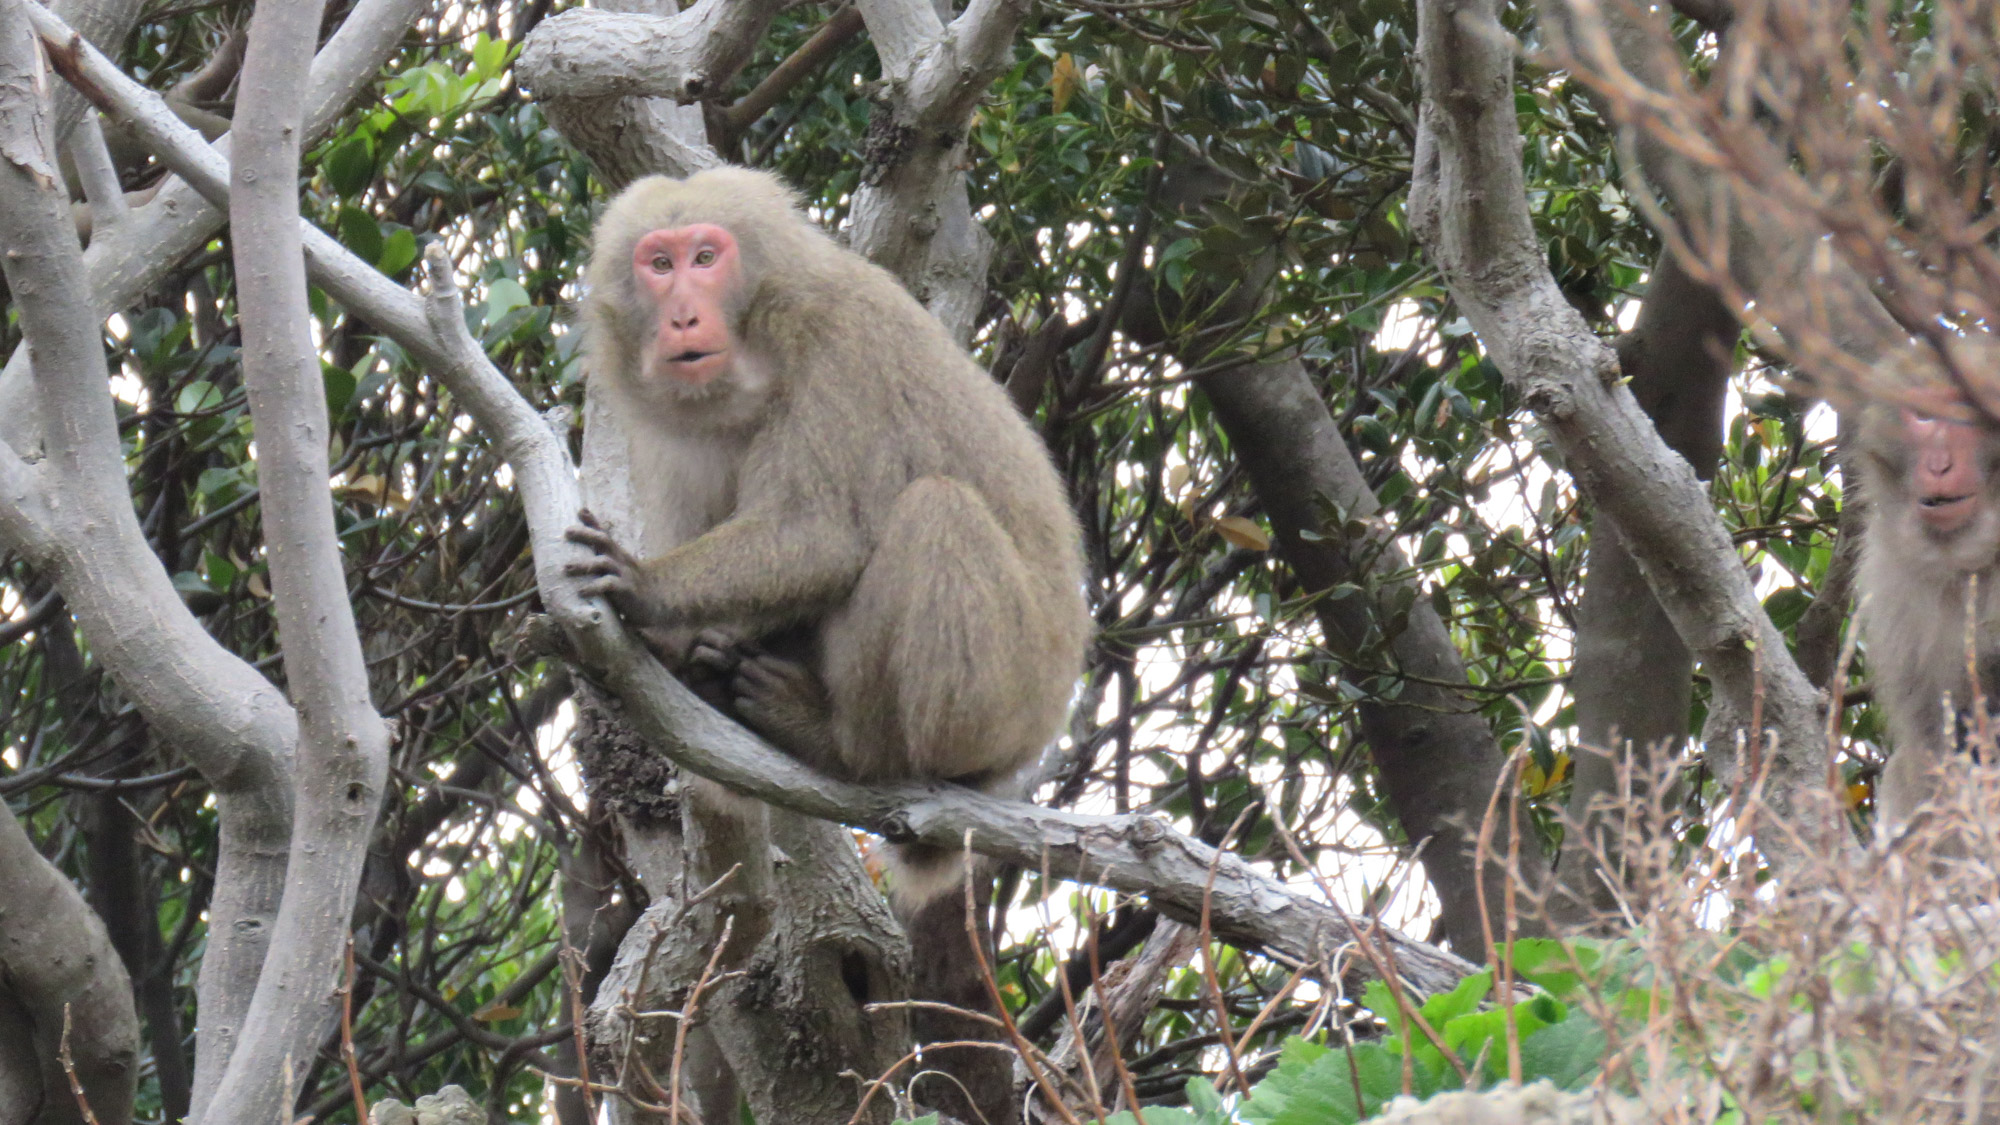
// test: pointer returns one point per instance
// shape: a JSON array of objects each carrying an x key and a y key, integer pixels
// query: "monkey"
[
  {"x": 1932, "y": 487},
  {"x": 846, "y": 518}
]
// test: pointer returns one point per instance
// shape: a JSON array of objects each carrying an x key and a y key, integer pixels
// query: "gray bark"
[
  {"x": 201, "y": 699},
  {"x": 1469, "y": 205},
  {"x": 104, "y": 25},
  {"x": 911, "y": 215},
  {"x": 342, "y": 760},
  {"x": 1633, "y": 678},
  {"x": 1435, "y": 752},
  {"x": 59, "y": 969},
  {"x": 617, "y": 84}
]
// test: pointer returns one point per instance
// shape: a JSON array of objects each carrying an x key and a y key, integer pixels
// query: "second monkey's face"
[
  {"x": 692, "y": 280},
  {"x": 1939, "y": 489}
]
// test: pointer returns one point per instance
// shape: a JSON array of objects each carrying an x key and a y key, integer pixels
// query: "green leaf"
[
  {"x": 197, "y": 397},
  {"x": 1315, "y": 1085},
  {"x": 489, "y": 56},
  {"x": 188, "y": 582},
  {"x": 221, "y": 572},
  {"x": 360, "y": 233},
  {"x": 340, "y": 383},
  {"x": 349, "y": 166},
  {"x": 1569, "y": 1053},
  {"x": 399, "y": 250},
  {"x": 503, "y": 295}
]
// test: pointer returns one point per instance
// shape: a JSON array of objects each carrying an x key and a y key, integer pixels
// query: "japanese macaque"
[
  {"x": 845, "y": 518},
  {"x": 1933, "y": 544}
]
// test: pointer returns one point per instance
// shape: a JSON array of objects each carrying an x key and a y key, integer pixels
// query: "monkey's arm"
[{"x": 765, "y": 568}]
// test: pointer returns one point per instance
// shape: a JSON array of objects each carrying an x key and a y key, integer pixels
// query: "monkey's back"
[
  {"x": 975, "y": 551},
  {"x": 913, "y": 404}
]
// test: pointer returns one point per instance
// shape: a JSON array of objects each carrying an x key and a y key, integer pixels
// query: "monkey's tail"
[{"x": 919, "y": 873}]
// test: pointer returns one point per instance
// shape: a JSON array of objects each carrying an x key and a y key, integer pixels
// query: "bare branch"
[
  {"x": 342, "y": 759},
  {"x": 199, "y": 697},
  {"x": 56, "y": 955},
  {"x": 902, "y": 31},
  {"x": 93, "y": 167},
  {"x": 911, "y": 214}
]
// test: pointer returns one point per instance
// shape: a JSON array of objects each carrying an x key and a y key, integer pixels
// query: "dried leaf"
[
  {"x": 1064, "y": 78},
  {"x": 1243, "y": 533},
  {"x": 494, "y": 1013}
]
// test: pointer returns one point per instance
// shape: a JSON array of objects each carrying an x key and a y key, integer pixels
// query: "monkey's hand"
[{"x": 616, "y": 574}]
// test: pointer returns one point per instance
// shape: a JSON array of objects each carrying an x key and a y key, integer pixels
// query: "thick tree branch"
[
  {"x": 902, "y": 31},
  {"x": 911, "y": 214},
  {"x": 590, "y": 53},
  {"x": 1469, "y": 204},
  {"x": 204, "y": 701},
  {"x": 617, "y": 84},
  {"x": 59, "y": 966},
  {"x": 343, "y": 755}
]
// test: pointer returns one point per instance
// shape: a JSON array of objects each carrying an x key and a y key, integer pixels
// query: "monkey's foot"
[{"x": 784, "y": 701}]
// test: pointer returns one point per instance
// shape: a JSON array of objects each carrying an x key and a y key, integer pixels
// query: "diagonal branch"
[
  {"x": 139, "y": 252},
  {"x": 1469, "y": 205}
]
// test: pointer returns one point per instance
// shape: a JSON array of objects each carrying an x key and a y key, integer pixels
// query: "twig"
[
  {"x": 688, "y": 1012},
  {"x": 1208, "y": 965},
  {"x": 1021, "y": 1045},
  {"x": 347, "y": 1032},
  {"x": 573, "y": 981},
  {"x": 69, "y": 1070}
]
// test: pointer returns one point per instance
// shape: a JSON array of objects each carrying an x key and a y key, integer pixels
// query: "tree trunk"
[{"x": 1435, "y": 752}]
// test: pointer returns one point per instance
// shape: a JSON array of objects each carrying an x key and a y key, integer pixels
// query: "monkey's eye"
[
  {"x": 662, "y": 264},
  {"x": 705, "y": 258}
]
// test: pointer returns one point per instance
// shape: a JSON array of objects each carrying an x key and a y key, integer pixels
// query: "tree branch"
[
  {"x": 56, "y": 956},
  {"x": 203, "y": 700},
  {"x": 137, "y": 254},
  {"x": 1469, "y": 204},
  {"x": 911, "y": 214},
  {"x": 343, "y": 755},
  {"x": 590, "y": 53}
]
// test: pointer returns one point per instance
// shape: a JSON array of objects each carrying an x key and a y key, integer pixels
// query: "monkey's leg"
[{"x": 939, "y": 664}]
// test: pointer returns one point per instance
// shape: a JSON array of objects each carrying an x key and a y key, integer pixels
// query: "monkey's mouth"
[
  {"x": 695, "y": 367},
  {"x": 1945, "y": 513}
]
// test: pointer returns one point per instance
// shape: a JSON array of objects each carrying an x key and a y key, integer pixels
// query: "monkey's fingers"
[
  {"x": 589, "y": 568},
  {"x": 613, "y": 588},
  {"x": 718, "y": 650},
  {"x": 595, "y": 538},
  {"x": 589, "y": 519}
]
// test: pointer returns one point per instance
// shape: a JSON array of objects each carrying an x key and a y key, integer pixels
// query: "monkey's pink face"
[
  {"x": 1944, "y": 479},
  {"x": 692, "y": 275},
  {"x": 1945, "y": 474}
]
